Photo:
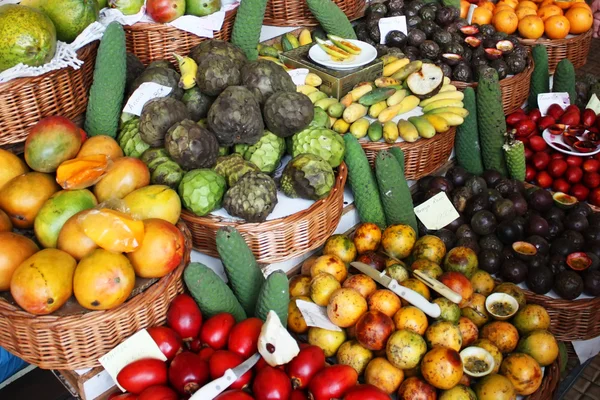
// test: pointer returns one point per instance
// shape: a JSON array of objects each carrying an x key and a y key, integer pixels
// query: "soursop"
[
  {"x": 197, "y": 103},
  {"x": 235, "y": 117},
  {"x": 168, "y": 173},
  {"x": 266, "y": 153},
  {"x": 191, "y": 146},
  {"x": 218, "y": 47},
  {"x": 158, "y": 115},
  {"x": 514, "y": 153},
  {"x": 129, "y": 139},
  {"x": 233, "y": 167},
  {"x": 286, "y": 113},
  {"x": 264, "y": 77},
  {"x": 216, "y": 73},
  {"x": 322, "y": 142},
  {"x": 201, "y": 191},
  {"x": 307, "y": 176},
  {"x": 252, "y": 198}
]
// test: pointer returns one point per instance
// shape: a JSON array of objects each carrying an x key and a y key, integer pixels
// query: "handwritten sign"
[
  {"x": 146, "y": 92},
  {"x": 315, "y": 315},
  {"x": 139, "y": 346},
  {"x": 386, "y": 25},
  {"x": 545, "y": 100},
  {"x": 437, "y": 212},
  {"x": 298, "y": 75}
]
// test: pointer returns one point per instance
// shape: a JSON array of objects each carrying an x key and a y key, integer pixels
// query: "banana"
[
  {"x": 443, "y": 103},
  {"x": 387, "y": 59},
  {"x": 325, "y": 103},
  {"x": 341, "y": 126},
  {"x": 407, "y": 131},
  {"x": 448, "y": 88},
  {"x": 446, "y": 81},
  {"x": 386, "y": 81},
  {"x": 316, "y": 96},
  {"x": 442, "y": 96},
  {"x": 424, "y": 127},
  {"x": 273, "y": 59},
  {"x": 330, "y": 122},
  {"x": 306, "y": 89},
  {"x": 313, "y": 80},
  {"x": 354, "y": 112},
  {"x": 188, "y": 68},
  {"x": 407, "y": 69},
  {"x": 439, "y": 123},
  {"x": 304, "y": 38},
  {"x": 360, "y": 90},
  {"x": 396, "y": 97},
  {"x": 393, "y": 67},
  {"x": 451, "y": 118},
  {"x": 377, "y": 108},
  {"x": 409, "y": 103},
  {"x": 462, "y": 112},
  {"x": 390, "y": 132}
]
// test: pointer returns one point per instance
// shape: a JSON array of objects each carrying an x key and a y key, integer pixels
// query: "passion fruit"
[
  {"x": 495, "y": 387},
  {"x": 524, "y": 251},
  {"x": 579, "y": 261},
  {"x": 442, "y": 368},
  {"x": 523, "y": 372},
  {"x": 493, "y": 54},
  {"x": 541, "y": 345},
  {"x": 444, "y": 334},
  {"x": 530, "y": 318},
  {"x": 514, "y": 291},
  {"x": 505, "y": 46},
  {"x": 563, "y": 200}
]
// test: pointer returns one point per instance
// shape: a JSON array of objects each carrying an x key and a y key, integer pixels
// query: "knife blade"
[
  {"x": 438, "y": 287},
  {"x": 414, "y": 298},
  {"x": 216, "y": 387}
]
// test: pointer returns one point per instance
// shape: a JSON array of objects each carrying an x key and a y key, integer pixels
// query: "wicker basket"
[
  {"x": 575, "y": 48},
  {"x": 296, "y": 12},
  {"x": 549, "y": 383},
  {"x": 515, "y": 89},
  {"x": 152, "y": 41},
  {"x": 422, "y": 157},
  {"x": 279, "y": 239},
  {"x": 78, "y": 341},
  {"x": 24, "y": 101}
]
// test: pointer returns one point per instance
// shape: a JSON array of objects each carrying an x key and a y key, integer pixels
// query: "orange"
[
  {"x": 548, "y": 11},
  {"x": 546, "y": 3},
  {"x": 557, "y": 27},
  {"x": 464, "y": 8},
  {"x": 580, "y": 5},
  {"x": 486, "y": 4},
  {"x": 512, "y": 3},
  {"x": 580, "y": 20},
  {"x": 563, "y": 4},
  {"x": 503, "y": 7},
  {"x": 525, "y": 11},
  {"x": 481, "y": 16},
  {"x": 506, "y": 21},
  {"x": 527, "y": 3},
  {"x": 531, "y": 27}
]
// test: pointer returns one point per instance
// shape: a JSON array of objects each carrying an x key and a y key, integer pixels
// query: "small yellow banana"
[{"x": 188, "y": 68}]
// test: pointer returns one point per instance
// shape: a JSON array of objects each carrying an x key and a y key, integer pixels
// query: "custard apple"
[
  {"x": 197, "y": 103},
  {"x": 201, "y": 191},
  {"x": 158, "y": 115},
  {"x": 233, "y": 167},
  {"x": 322, "y": 142},
  {"x": 264, "y": 77},
  {"x": 252, "y": 198},
  {"x": 216, "y": 73},
  {"x": 129, "y": 139},
  {"x": 154, "y": 157},
  {"x": 191, "y": 146},
  {"x": 307, "y": 176},
  {"x": 266, "y": 153},
  {"x": 218, "y": 47},
  {"x": 168, "y": 173},
  {"x": 286, "y": 113}
]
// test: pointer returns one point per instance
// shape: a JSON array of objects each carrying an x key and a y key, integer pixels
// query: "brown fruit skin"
[
  {"x": 361, "y": 283},
  {"x": 386, "y": 301},
  {"x": 442, "y": 368},
  {"x": 373, "y": 329},
  {"x": 307, "y": 265},
  {"x": 415, "y": 388},
  {"x": 382, "y": 374},
  {"x": 72, "y": 240},
  {"x": 14, "y": 249},
  {"x": 367, "y": 237},
  {"x": 23, "y": 197},
  {"x": 11, "y": 166},
  {"x": 5, "y": 224},
  {"x": 125, "y": 175},
  {"x": 460, "y": 284}
]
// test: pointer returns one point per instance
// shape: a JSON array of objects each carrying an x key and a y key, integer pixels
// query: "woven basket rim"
[
  {"x": 340, "y": 181},
  {"x": 406, "y": 146},
  {"x": 556, "y": 42},
  {"x": 158, "y": 27},
  {"x": 307, "y": 22},
  {"x": 509, "y": 81},
  {"x": 11, "y": 311}
]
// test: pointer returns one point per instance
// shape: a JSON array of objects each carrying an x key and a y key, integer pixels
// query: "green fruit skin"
[
  {"x": 50, "y": 142},
  {"x": 108, "y": 87},
  {"x": 274, "y": 295},
  {"x": 467, "y": 147},
  {"x": 332, "y": 18},
  {"x": 57, "y": 210},
  {"x": 241, "y": 267},
  {"x": 202, "y": 8},
  {"x": 540, "y": 77},
  {"x": 28, "y": 37},
  {"x": 247, "y": 26},
  {"x": 71, "y": 17},
  {"x": 491, "y": 121},
  {"x": 394, "y": 191},
  {"x": 202, "y": 190},
  {"x": 375, "y": 131},
  {"x": 564, "y": 79},
  {"x": 515, "y": 161},
  {"x": 127, "y": 7},
  {"x": 211, "y": 293},
  {"x": 399, "y": 154},
  {"x": 363, "y": 183}
]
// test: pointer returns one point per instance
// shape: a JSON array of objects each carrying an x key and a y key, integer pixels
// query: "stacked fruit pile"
[
  {"x": 394, "y": 346},
  {"x": 92, "y": 213}
]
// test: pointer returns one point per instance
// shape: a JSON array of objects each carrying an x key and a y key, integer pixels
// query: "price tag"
[
  {"x": 146, "y": 92},
  {"x": 3, "y": 2},
  {"x": 437, "y": 212},
  {"x": 298, "y": 75},
  {"x": 472, "y": 8},
  {"x": 315, "y": 315},
  {"x": 386, "y": 25},
  {"x": 139, "y": 346},
  {"x": 545, "y": 100},
  {"x": 194, "y": 25}
]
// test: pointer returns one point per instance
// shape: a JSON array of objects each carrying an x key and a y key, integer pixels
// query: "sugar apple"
[
  {"x": 129, "y": 139},
  {"x": 252, "y": 198},
  {"x": 197, "y": 103},
  {"x": 224, "y": 150},
  {"x": 235, "y": 117},
  {"x": 134, "y": 69},
  {"x": 191, "y": 146},
  {"x": 264, "y": 78},
  {"x": 233, "y": 167},
  {"x": 322, "y": 142},
  {"x": 266, "y": 153},
  {"x": 163, "y": 76},
  {"x": 158, "y": 115},
  {"x": 154, "y": 157},
  {"x": 201, "y": 191},
  {"x": 307, "y": 176},
  {"x": 215, "y": 73},
  {"x": 286, "y": 113},
  {"x": 218, "y": 47},
  {"x": 168, "y": 173}
]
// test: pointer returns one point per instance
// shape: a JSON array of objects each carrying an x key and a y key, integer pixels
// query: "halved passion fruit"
[
  {"x": 473, "y": 41},
  {"x": 579, "y": 261},
  {"x": 493, "y": 54},
  {"x": 452, "y": 59},
  {"x": 563, "y": 200},
  {"x": 470, "y": 29},
  {"x": 505, "y": 46},
  {"x": 524, "y": 250}
]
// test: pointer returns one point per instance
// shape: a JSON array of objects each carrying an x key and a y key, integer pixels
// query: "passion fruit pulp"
[
  {"x": 563, "y": 200},
  {"x": 579, "y": 261},
  {"x": 524, "y": 251}
]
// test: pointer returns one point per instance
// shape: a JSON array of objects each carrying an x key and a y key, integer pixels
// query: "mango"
[
  {"x": 57, "y": 210},
  {"x": 112, "y": 230},
  {"x": 126, "y": 175},
  {"x": 82, "y": 172},
  {"x": 154, "y": 201},
  {"x": 14, "y": 249},
  {"x": 11, "y": 166},
  {"x": 100, "y": 144},
  {"x": 44, "y": 281},
  {"x": 51, "y": 141},
  {"x": 23, "y": 196},
  {"x": 5, "y": 224},
  {"x": 103, "y": 280},
  {"x": 73, "y": 240}
]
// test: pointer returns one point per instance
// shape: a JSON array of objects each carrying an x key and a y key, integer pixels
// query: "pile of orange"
[{"x": 533, "y": 18}]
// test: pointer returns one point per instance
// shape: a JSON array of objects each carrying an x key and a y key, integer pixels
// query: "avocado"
[
  {"x": 413, "y": 21},
  {"x": 454, "y": 47},
  {"x": 376, "y": 8},
  {"x": 429, "y": 49},
  {"x": 467, "y": 54},
  {"x": 446, "y": 69},
  {"x": 515, "y": 63},
  {"x": 504, "y": 209},
  {"x": 542, "y": 246},
  {"x": 491, "y": 242},
  {"x": 514, "y": 270},
  {"x": 428, "y": 12},
  {"x": 568, "y": 285},
  {"x": 508, "y": 232},
  {"x": 490, "y": 261},
  {"x": 477, "y": 184},
  {"x": 442, "y": 37},
  {"x": 416, "y": 37},
  {"x": 487, "y": 30},
  {"x": 591, "y": 282},
  {"x": 428, "y": 27},
  {"x": 412, "y": 53},
  {"x": 540, "y": 280},
  {"x": 501, "y": 68},
  {"x": 444, "y": 16},
  {"x": 484, "y": 222},
  {"x": 396, "y": 39},
  {"x": 395, "y": 5},
  {"x": 462, "y": 73}
]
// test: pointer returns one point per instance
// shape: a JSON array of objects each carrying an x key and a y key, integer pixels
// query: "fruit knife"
[{"x": 438, "y": 286}]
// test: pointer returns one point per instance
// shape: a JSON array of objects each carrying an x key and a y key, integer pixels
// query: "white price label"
[
  {"x": 545, "y": 100},
  {"x": 316, "y": 316},
  {"x": 472, "y": 8},
  {"x": 190, "y": 24},
  {"x": 137, "y": 347},
  {"x": 298, "y": 75},
  {"x": 437, "y": 212},
  {"x": 146, "y": 92},
  {"x": 386, "y": 25}
]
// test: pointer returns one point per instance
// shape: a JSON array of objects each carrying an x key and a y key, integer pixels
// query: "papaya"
[
  {"x": 126, "y": 175},
  {"x": 51, "y": 141},
  {"x": 72, "y": 240},
  {"x": 101, "y": 144},
  {"x": 14, "y": 249},
  {"x": 23, "y": 196},
  {"x": 103, "y": 280},
  {"x": 161, "y": 251},
  {"x": 81, "y": 172},
  {"x": 57, "y": 210},
  {"x": 154, "y": 201},
  {"x": 112, "y": 230},
  {"x": 44, "y": 281},
  {"x": 5, "y": 224},
  {"x": 11, "y": 166}
]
